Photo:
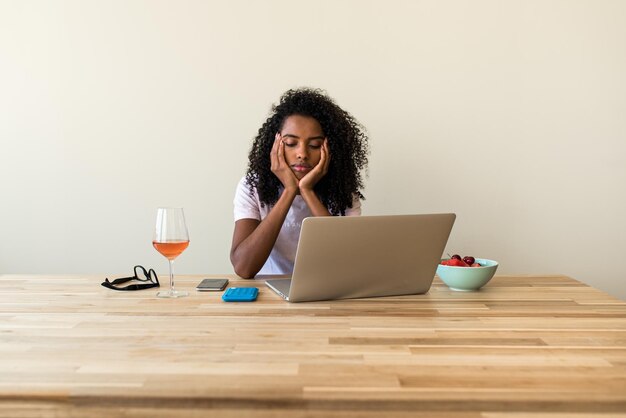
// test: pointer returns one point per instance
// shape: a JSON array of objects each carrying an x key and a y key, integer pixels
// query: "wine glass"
[{"x": 171, "y": 239}]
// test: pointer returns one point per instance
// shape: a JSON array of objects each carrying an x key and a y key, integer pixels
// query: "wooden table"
[{"x": 522, "y": 346}]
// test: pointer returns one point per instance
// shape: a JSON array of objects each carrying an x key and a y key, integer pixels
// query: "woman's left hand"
[{"x": 310, "y": 180}]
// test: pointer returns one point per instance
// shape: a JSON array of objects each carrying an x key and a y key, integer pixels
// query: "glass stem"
[{"x": 171, "y": 276}]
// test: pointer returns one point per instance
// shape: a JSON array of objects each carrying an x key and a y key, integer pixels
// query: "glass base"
[{"x": 172, "y": 294}]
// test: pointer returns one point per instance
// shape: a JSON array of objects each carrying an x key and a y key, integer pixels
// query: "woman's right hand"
[{"x": 279, "y": 166}]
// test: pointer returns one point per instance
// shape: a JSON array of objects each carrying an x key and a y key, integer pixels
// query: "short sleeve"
[
  {"x": 246, "y": 203},
  {"x": 355, "y": 210}
]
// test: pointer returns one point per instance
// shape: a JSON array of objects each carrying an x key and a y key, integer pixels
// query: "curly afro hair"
[{"x": 347, "y": 142}]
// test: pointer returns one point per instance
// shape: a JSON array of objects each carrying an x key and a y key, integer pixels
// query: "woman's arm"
[
  {"x": 309, "y": 181},
  {"x": 253, "y": 240},
  {"x": 314, "y": 203}
]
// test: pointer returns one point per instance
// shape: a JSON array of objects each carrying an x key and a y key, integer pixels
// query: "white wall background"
[{"x": 510, "y": 113}]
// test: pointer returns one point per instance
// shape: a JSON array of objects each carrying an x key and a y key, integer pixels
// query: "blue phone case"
[{"x": 240, "y": 294}]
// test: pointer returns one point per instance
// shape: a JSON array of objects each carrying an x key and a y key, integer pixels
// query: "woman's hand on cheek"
[
  {"x": 310, "y": 180},
  {"x": 279, "y": 166}
]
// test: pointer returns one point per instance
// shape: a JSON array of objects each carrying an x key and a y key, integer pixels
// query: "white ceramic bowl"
[{"x": 467, "y": 279}]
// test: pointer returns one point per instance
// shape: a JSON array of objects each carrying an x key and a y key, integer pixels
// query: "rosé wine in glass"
[{"x": 170, "y": 239}]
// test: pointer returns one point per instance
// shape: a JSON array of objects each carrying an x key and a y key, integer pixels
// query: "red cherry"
[
  {"x": 469, "y": 259},
  {"x": 456, "y": 257}
]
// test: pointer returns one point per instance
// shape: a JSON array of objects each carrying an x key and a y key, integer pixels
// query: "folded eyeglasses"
[{"x": 149, "y": 278}]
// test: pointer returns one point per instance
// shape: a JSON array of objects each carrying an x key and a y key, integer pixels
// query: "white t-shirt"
[{"x": 283, "y": 255}]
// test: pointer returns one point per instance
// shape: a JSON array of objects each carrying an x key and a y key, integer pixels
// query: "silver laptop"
[{"x": 341, "y": 257}]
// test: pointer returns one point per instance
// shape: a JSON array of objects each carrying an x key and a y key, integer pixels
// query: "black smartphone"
[{"x": 212, "y": 284}]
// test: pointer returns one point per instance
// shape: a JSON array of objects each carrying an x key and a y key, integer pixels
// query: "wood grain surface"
[{"x": 523, "y": 346}]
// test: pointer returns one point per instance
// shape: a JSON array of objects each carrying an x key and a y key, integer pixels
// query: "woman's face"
[{"x": 303, "y": 138}]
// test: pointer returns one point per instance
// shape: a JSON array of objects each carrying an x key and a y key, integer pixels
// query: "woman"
[{"x": 306, "y": 160}]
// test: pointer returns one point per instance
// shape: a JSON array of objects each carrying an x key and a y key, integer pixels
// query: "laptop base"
[{"x": 280, "y": 286}]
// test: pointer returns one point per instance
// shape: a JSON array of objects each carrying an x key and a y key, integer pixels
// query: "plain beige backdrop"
[{"x": 511, "y": 114}]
